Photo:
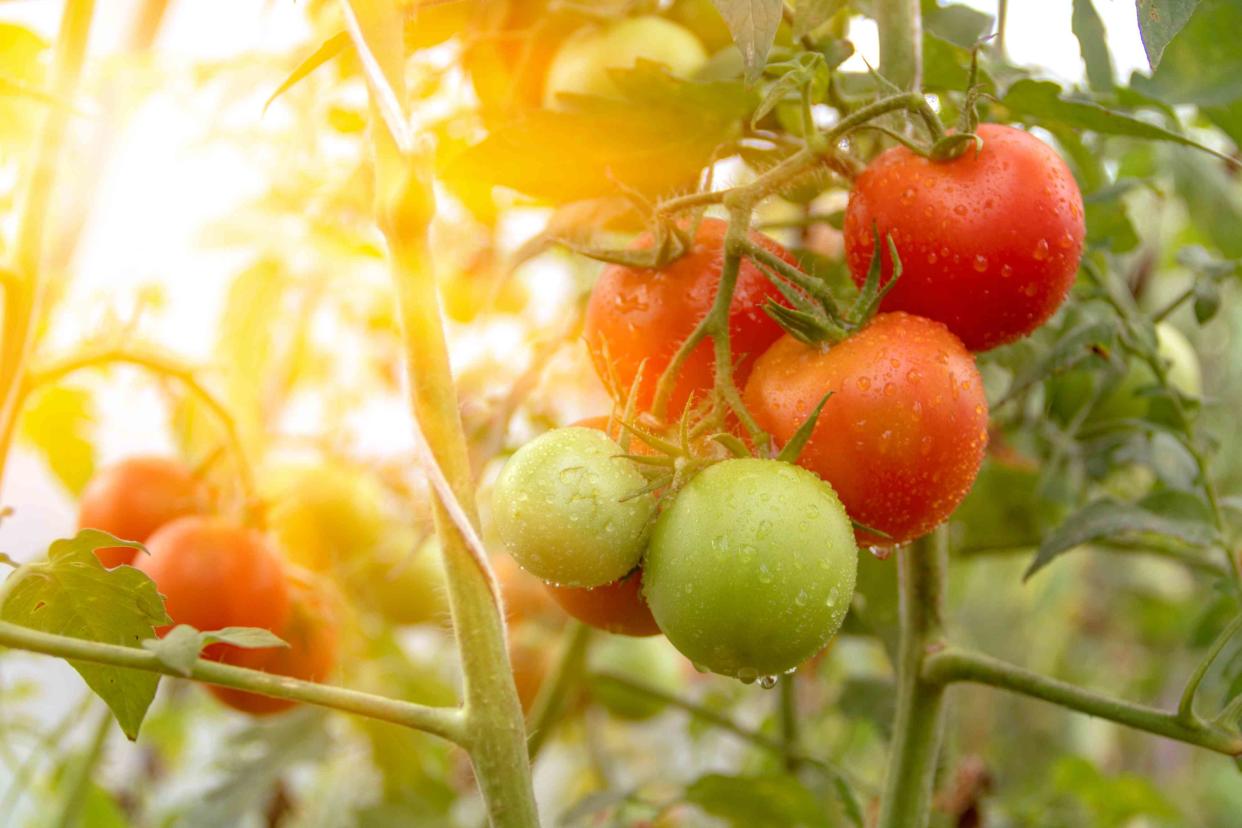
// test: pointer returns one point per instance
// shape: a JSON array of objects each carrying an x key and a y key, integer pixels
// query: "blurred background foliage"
[{"x": 1077, "y": 554}]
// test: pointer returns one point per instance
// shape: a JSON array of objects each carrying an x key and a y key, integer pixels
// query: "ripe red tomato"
[
  {"x": 311, "y": 633},
  {"x": 617, "y": 607},
  {"x": 638, "y": 314},
  {"x": 903, "y": 434},
  {"x": 989, "y": 242},
  {"x": 134, "y": 497},
  {"x": 214, "y": 573}
]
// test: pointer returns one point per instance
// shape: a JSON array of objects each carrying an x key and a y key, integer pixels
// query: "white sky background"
[{"x": 161, "y": 189}]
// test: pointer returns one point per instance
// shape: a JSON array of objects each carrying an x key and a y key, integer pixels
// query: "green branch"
[
  {"x": 565, "y": 673},
  {"x": 919, "y": 718},
  {"x": 445, "y": 722},
  {"x": 1186, "y": 707},
  {"x": 954, "y": 665}
]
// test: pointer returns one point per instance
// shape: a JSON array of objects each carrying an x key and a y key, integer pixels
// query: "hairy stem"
[
  {"x": 901, "y": 42},
  {"x": 440, "y": 721},
  {"x": 919, "y": 718},
  {"x": 955, "y": 665}
]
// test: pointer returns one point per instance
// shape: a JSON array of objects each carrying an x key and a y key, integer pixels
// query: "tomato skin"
[
  {"x": 637, "y": 314},
  {"x": 568, "y": 507},
  {"x": 904, "y": 432},
  {"x": 322, "y": 516},
  {"x": 312, "y": 636},
  {"x": 751, "y": 569},
  {"x": 989, "y": 243},
  {"x": 618, "y": 607},
  {"x": 214, "y": 573},
  {"x": 133, "y": 498}
]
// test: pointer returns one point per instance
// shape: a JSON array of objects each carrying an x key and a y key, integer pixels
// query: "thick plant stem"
[
  {"x": 954, "y": 665},
  {"x": 901, "y": 42},
  {"x": 919, "y": 719},
  {"x": 495, "y": 731},
  {"x": 23, "y": 296},
  {"x": 442, "y": 721}
]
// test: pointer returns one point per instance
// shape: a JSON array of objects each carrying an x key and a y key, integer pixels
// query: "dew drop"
[
  {"x": 864, "y": 383},
  {"x": 960, "y": 209},
  {"x": 1006, "y": 271},
  {"x": 981, "y": 264},
  {"x": 747, "y": 675},
  {"x": 1041, "y": 251},
  {"x": 908, "y": 195},
  {"x": 768, "y": 682}
]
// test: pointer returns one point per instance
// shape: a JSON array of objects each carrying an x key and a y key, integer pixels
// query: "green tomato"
[
  {"x": 582, "y": 64},
  {"x": 751, "y": 569},
  {"x": 323, "y": 515},
  {"x": 404, "y": 585},
  {"x": 653, "y": 661},
  {"x": 566, "y": 507}
]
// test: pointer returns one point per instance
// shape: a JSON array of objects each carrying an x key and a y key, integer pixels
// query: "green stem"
[
  {"x": 164, "y": 367},
  {"x": 565, "y": 673},
  {"x": 440, "y": 721},
  {"x": 954, "y": 665},
  {"x": 918, "y": 722},
  {"x": 1186, "y": 707},
  {"x": 24, "y": 296},
  {"x": 78, "y": 776},
  {"x": 494, "y": 728},
  {"x": 901, "y": 42}
]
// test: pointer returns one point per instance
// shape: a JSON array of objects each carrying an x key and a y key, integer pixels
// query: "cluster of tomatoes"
[
  {"x": 747, "y": 564},
  {"x": 214, "y": 572}
]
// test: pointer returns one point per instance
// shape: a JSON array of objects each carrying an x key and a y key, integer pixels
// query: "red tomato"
[
  {"x": 638, "y": 314},
  {"x": 903, "y": 434},
  {"x": 989, "y": 242},
  {"x": 214, "y": 573},
  {"x": 311, "y": 634},
  {"x": 134, "y": 497},
  {"x": 617, "y": 607}
]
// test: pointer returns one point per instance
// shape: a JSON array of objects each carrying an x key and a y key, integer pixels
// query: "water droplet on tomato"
[
  {"x": 981, "y": 264},
  {"x": 1041, "y": 251},
  {"x": 864, "y": 383},
  {"x": 1006, "y": 271}
]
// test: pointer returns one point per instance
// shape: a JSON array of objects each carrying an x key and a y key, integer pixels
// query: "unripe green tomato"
[
  {"x": 566, "y": 507},
  {"x": 407, "y": 586},
  {"x": 703, "y": 18},
  {"x": 653, "y": 661},
  {"x": 323, "y": 515},
  {"x": 582, "y": 64},
  {"x": 751, "y": 569}
]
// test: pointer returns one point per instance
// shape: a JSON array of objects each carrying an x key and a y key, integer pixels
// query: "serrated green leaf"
[
  {"x": 1159, "y": 22},
  {"x": 753, "y": 24},
  {"x": 1093, "y": 43},
  {"x": 58, "y": 421},
  {"x": 1110, "y": 519},
  {"x": 1042, "y": 100},
  {"x": 71, "y": 593},
  {"x": 757, "y": 801}
]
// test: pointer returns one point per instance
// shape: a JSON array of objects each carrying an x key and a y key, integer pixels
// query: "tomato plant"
[
  {"x": 903, "y": 433},
  {"x": 989, "y": 242},
  {"x": 133, "y": 498},
  {"x": 639, "y": 316}
]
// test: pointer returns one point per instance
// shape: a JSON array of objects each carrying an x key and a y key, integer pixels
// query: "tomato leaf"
[
  {"x": 1093, "y": 43},
  {"x": 1108, "y": 519},
  {"x": 180, "y": 647},
  {"x": 71, "y": 593},
  {"x": 753, "y": 24},
  {"x": 757, "y": 801},
  {"x": 58, "y": 421},
  {"x": 809, "y": 15},
  {"x": 956, "y": 23},
  {"x": 327, "y": 50},
  {"x": 1042, "y": 101},
  {"x": 1159, "y": 22},
  {"x": 1201, "y": 65}
]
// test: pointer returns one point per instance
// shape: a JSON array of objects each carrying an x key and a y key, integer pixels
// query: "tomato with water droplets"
[
  {"x": 903, "y": 434},
  {"x": 989, "y": 242},
  {"x": 640, "y": 316},
  {"x": 751, "y": 568},
  {"x": 618, "y": 607}
]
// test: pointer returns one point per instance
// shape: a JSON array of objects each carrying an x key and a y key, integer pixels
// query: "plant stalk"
[{"x": 918, "y": 722}]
